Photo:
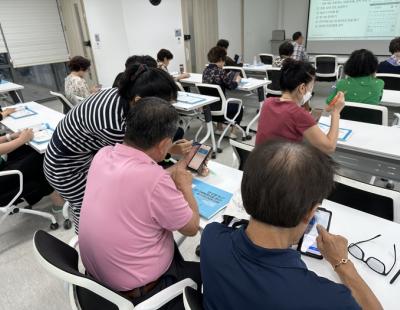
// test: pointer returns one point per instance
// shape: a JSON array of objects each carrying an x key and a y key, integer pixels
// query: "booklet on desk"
[
  {"x": 42, "y": 133},
  {"x": 344, "y": 133},
  {"x": 186, "y": 98},
  {"x": 21, "y": 112},
  {"x": 210, "y": 199}
]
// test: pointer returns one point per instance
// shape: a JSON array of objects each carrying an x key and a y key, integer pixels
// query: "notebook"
[
  {"x": 344, "y": 133},
  {"x": 22, "y": 111},
  {"x": 42, "y": 133},
  {"x": 189, "y": 99},
  {"x": 210, "y": 199}
]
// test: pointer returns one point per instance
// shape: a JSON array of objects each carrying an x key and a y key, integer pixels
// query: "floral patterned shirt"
[
  {"x": 212, "y": 74},
  {"x": 75, "y": 86}
]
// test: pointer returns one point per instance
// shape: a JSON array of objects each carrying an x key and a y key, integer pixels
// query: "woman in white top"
[{"x": 75, "y": 84}]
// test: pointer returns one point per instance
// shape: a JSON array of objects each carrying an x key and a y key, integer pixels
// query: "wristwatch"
[{"x": 343, "y": 261}]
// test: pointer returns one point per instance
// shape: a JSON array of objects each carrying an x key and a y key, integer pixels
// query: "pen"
[{"x": 395, "y": 277}]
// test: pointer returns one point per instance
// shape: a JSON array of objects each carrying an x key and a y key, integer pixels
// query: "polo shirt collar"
[
  {"x": 130, "y": 151},
  {"x": 269, "y": 257}
]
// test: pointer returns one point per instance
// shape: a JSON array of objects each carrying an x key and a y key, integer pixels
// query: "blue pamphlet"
[
  {"x": 189, "y": 99},
  {"x": 22, "y": 112},
  {"x": 344, "y": 133},
  {"x": 210, "y": 199}
]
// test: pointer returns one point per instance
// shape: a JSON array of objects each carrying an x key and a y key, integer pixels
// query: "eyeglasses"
[{"x": 372, "y": 262}]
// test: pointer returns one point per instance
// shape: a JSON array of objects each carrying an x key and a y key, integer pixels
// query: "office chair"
[
  {"x": 327, "y": 68},
  {"x": 266, "y": 59},
  {"x": 67, "y": 105},
  {"x": 365, "y": 113},
  {"x": 192, "y": 299},
  {"x": 12, "y": 206},
  {"x": 241, "y": 152},
  {"x": 274, "y": 88},
  {"x": 237, "y": 69},
  {"x": 368, "y": 198},
  {"x": 392, "y": 81},
  {"x": 85, "y": 293},
  {"x": 219, "y": 109}
]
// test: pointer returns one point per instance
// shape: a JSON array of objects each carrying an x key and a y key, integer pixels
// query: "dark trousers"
[
  {"x": 30, "y": 163},
  {"x": 179, "y": 270}
]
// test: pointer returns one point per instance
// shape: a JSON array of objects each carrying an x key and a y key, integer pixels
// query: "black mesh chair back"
[
  {"x": 325, "y": 65},
  {"x": 266, "y": 59},
  {"x": 210, "y": 91},
  {"x": 363, "y": 115},
  {"x": 65, "y": 258},
  {"x": 392, "y": 82},
  {"x": 274, "y": 76},
  {"x": 363, "y": 200},
  {"x": 192, "y": 299}
]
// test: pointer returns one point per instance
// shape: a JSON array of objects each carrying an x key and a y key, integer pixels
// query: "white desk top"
[
  {"x": 352, "y": 224},
  {"x": 257, "y": 68},
  {"x": 8, "y": 86},
  {"x": 392, "y": 97},
  {"x": 185, "y": 106},
  {"x": 44, "y": 115},
  {"x": 252, "y": 84},
  {"x": 370, "y": 139}
]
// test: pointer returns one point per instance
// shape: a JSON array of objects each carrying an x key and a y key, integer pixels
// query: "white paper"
[{"x": 235, "y": 207}]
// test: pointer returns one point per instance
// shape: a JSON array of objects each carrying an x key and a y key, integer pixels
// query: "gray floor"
[{"x": 25, "y": 285}]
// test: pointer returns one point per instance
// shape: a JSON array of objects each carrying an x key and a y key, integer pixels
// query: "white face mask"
[{"x": 307, "y": 96}]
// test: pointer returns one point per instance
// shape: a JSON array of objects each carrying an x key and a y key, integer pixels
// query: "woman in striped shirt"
[{"x": 96, "y": 122}]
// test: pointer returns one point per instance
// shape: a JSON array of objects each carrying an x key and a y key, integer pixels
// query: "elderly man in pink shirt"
[{"x": 132, "y": 205}]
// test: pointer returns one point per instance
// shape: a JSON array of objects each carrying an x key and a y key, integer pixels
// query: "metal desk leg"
[
  {"x": 17, "y": 98},
  {"x": 210, "y": 130},
  {"x": 261, "y": 98}
]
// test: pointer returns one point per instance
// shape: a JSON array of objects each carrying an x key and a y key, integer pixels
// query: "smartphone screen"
[
  {"x": 308, "y": 244},
  {"x": 199, "y": 157}
]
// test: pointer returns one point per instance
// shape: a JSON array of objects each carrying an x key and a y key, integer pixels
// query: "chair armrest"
[
  {"x": 339, "y": 72},
  {"x": 21, "y": 183},
  {"x": 166, "y": 295}
]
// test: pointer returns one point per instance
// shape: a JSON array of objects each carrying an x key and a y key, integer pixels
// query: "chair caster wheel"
[
  {"x": 248, "y": 137},
  {"x": 219, "y": 150},
  {"x": 53, "y": 226},
  {"x": 390, "y": 186},
  {"x": 67, "y": 224},
  {"x": 213, "y": 155}
]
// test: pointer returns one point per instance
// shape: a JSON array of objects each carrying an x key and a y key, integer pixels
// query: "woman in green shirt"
[{"x": 360, "y": 85}]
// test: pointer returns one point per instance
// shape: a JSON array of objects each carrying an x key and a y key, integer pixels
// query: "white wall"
[
  {"x": 295, "y": 14},
  {"x": 129, "y": 27},
  {"x": 229, "y": 24},
  {"x": 105, "y": 18},
  {"x": 260, "y": 18},
  {"x": 150, "y": 28}
]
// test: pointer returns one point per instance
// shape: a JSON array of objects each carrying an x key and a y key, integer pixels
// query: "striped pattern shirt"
[{"x": 96, "y": 122}]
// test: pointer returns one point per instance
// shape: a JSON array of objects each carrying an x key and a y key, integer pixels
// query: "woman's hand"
[
  {"x": 8, "y": 111},
  {"x": 25, "y": 135},
  {"x": 181, "y": 147},
  {"x": 337, "y": 104}
]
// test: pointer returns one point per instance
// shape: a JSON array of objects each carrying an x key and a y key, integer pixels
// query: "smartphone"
[
  {"x": 308, "y": 243},
  {"x": 201, "y": 153}
]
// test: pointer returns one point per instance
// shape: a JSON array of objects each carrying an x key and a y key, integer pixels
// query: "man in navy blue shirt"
[{"x": 254, "y": 267}]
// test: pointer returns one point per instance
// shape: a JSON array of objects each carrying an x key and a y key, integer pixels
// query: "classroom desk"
[
  {"x": 44, "y": 115},
  {"x": 204, "y": 103},
  {"x": 252, "y": 84},
  {"x": 12, "y": 89},
  {"x": 259, "y": 68},
  {"x": 352, "y": 224},
  {"x": 372, "y": 149},
  {"x": 391, "y": 98}
]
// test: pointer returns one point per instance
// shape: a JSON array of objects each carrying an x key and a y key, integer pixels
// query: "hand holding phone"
[
  {"x": 199, "y": 158},
  {"x": 308, "y": 243},
  {"x": 337, "y": 103}
]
